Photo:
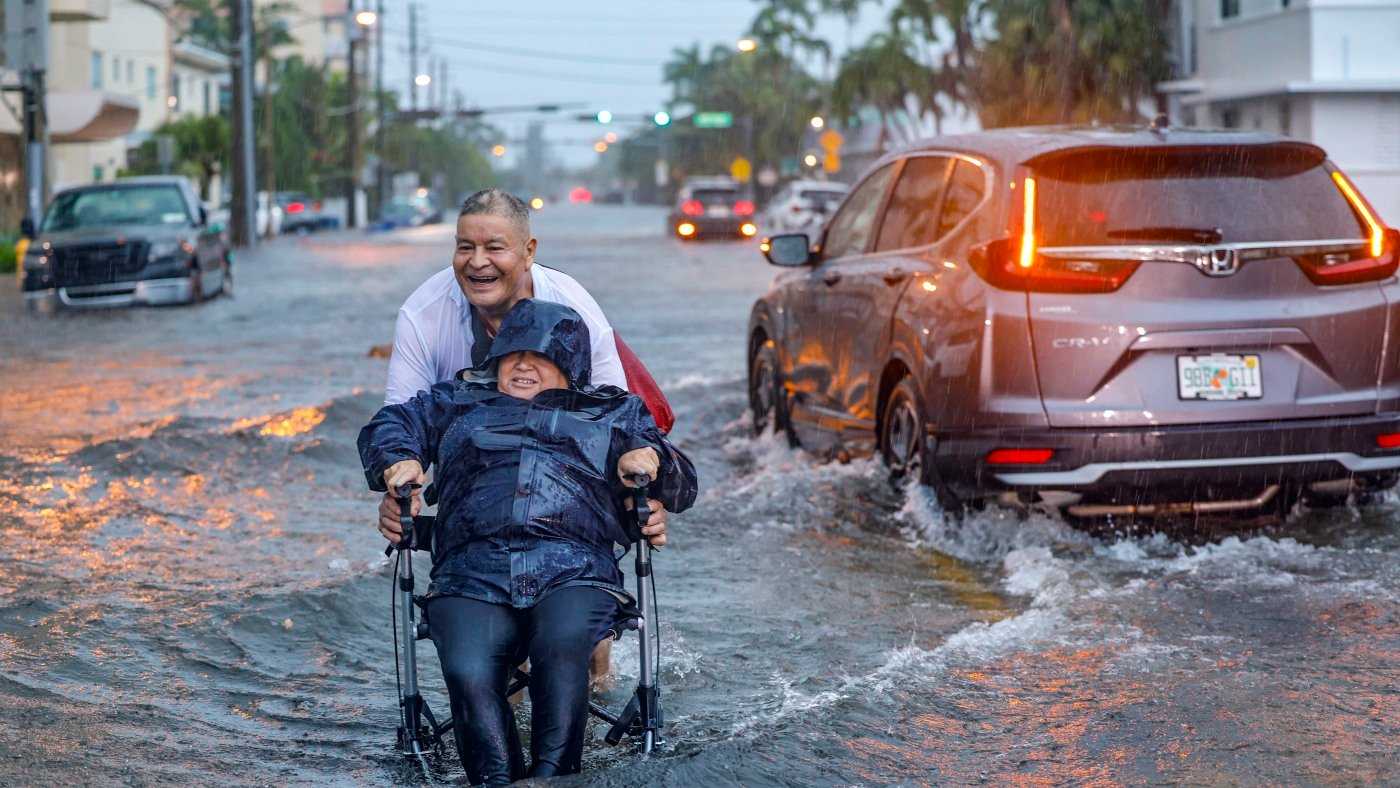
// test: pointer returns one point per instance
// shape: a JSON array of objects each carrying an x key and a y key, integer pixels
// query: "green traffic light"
[{"x": 662, "y": 119}]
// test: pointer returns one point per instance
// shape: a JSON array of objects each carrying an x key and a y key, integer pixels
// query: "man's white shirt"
[{"x": 433, "y": 336}]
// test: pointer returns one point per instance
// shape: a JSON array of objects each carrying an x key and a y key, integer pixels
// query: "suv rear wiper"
[{"x": 1202, "y": 235}]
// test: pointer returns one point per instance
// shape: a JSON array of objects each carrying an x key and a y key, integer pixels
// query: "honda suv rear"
[{"x": 1118, "y": 321}]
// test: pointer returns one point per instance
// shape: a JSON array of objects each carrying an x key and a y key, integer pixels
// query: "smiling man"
[{"x": 447, "y": 324}]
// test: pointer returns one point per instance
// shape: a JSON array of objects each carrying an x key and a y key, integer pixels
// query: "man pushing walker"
[
  {"x": 533, "y": 466},
  {"x": 449, "y": 322}
]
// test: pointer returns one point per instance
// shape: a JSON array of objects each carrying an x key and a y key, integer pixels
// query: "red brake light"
[
  {"x": 1017, "y": 263},
  {"x": 743, "y": 208},
  {"x": 295, "y": 207},
  {"x": 692, "y": 208},
  {"x": 1390, "y": 440},
  {"x": 1019, "y": 456},
  {"x": 1376, "y": 260}
]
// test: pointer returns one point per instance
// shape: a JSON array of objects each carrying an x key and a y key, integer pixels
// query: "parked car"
[
  {"x": 1120, "y": 322},
  {"x": 403, "y": 212},
  {"x": 803, "y": 206},
  {"x": 301, "y": 214},
  {"x": 710, "y": 207},
  {"x": 131, "y": 241}
]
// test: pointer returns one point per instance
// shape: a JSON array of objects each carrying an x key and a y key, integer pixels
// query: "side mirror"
[
  {"x": 791, "y": 250},
  {"x": 26, "y": 227}
]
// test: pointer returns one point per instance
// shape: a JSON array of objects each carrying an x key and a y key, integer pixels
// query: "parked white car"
[{"x": 803, "y": 206}]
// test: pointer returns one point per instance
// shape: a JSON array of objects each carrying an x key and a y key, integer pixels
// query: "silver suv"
[{"x": 1115, "y": 321}]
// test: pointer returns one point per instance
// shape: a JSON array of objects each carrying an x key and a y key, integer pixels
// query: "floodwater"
[{"x": 193, "y": 592}]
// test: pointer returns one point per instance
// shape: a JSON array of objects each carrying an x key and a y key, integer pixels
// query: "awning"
[{"x": 82, "y": 116}]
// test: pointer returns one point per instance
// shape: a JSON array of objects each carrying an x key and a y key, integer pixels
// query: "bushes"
[{"x": 8, "y": 258}]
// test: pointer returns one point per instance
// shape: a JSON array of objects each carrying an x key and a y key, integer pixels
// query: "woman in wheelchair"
[{"x": 532, "y": 470}]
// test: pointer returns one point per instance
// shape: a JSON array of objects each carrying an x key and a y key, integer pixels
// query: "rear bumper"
[
  {"x": 713, "y": 226},
  {"x": 154, "y": 292},
  {"x": 1173, "y": 458}
]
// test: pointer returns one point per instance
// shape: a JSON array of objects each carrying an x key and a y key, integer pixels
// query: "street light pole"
[
  {"x": 243, "y": 221},
  {"x": 379, "y": 116},
  {"x": 352, "y": 144}
]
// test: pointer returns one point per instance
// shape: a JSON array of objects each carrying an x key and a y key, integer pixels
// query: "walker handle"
[
  {"x": 641, "y": 511},
  {"x": 404, "y": 494}
]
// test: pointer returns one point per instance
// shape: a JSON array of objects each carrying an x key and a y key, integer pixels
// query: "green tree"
[
  {"x": 770, "y": 96},
  {"x": 199, "y": 149},
  {"x": 884, "y": 75},
  {"x": 1071, "y": 61}
]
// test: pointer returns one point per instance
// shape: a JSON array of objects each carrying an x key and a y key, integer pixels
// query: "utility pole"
[
  {"x": 25, "y": 50},
  {"x": 352, "y": 145},
  {"x": 269, "y": 162},
  {"x": 413, "y": 55},
  {"x": 444, "y": 98},
  {"x": 243, "y": 222},
  {"x": 379, "y": 117}
]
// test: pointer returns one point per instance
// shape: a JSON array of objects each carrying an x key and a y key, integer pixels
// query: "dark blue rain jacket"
[{"x": 528, "y": 495}]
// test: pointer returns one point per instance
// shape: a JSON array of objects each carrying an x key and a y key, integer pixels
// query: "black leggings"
[{"x": 480, "y": 644}]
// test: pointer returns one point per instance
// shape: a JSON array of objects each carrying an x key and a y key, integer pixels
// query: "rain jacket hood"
[{"x": 553, "y": 330}]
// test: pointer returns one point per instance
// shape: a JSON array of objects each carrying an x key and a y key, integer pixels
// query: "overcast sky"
[{"x": 605, "y": 55}]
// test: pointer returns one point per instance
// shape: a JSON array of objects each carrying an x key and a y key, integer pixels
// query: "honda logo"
[{"x": 1220, "y": 261}]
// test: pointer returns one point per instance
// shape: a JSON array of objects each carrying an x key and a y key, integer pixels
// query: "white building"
[{"x": 1324, "y": 71}]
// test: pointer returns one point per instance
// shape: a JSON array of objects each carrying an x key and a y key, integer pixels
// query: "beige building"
[
  {"x": 131, "y": 53},
  {"x": 319, "y": 27}
]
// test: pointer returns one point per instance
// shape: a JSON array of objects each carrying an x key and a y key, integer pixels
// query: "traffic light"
[
  {"x": 604, "y": 116},
  {"x": 661, "y": 118}
]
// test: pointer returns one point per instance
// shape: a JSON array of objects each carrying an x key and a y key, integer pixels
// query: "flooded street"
[{"x": 194, "y": 593}]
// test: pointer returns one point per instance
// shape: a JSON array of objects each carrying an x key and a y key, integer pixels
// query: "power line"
[
  {"x": 536, "y": 53},
  {"x": 525, "y": 72}
]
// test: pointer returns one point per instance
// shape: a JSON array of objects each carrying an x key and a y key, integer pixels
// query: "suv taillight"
[
  {"x": 1015, "y": 264},
  {"x": 1375, "y": 260},
  {"x": 743, "y": 208},
  {"x": 692, "y": 208}
]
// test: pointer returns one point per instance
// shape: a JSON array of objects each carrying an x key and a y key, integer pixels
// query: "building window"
[
  {"x": 150, "y": 82},
  {"x": 116, "y": 69},
  {"x": 97, "y": 69},
  {"x": 174, "y": 91},
  {"x": 208, "y": 98},
  {"x": 1229, "y": 9},
  {"x": 130, "y": 71},
  {"x": 1230, "y": 117},
  {"x": 1285, "y": 117}
]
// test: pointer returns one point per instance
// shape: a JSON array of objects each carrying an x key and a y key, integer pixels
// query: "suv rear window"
[
  {"x": 714, "y": 196},
  {"x": 1197, "y": 195}
]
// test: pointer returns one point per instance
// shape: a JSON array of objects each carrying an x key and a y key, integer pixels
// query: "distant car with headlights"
[
  {"x": 131, "y": 241},
  {"x": 1117, "y": 322},
  {"x": 711, "y": 208},
  {"x": 803, "y": 206}
]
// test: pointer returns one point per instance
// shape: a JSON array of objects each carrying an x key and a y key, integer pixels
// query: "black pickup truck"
[{"x": 131, "y": 241}]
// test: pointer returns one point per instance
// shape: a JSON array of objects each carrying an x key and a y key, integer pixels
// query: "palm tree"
[
  {"x": 884, "y": 75},
  {"x": 1062, "y": 62}
]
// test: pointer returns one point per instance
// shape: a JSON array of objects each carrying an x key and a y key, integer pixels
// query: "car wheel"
[
  {"x": 903, "y": 448},
  {"x": 767, "y": 402}
]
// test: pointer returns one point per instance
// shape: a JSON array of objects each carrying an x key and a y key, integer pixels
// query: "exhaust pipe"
[{"x": 1190, "y": 507}]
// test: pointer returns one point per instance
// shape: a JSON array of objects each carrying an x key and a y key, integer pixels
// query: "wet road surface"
[{"x": 194, "y": 594}]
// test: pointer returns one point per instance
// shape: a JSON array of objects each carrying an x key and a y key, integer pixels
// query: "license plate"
[
  {"x": 1219, "y": 377},
  {"x": 717, "y": 210}
]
